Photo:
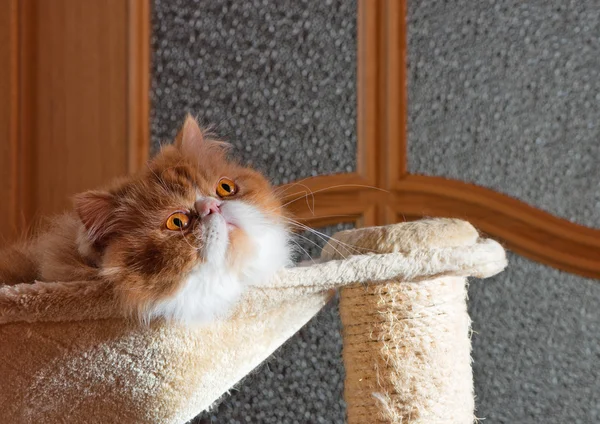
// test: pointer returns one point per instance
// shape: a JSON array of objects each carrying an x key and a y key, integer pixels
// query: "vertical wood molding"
[
  {"x": 27, "y": 171},
  {"x": 394, "y": 94},
  {"x": 9, "y": 105},
  {"x": 74, "y": 111},
  {"x": 381, "y": 123},
  {"x": 368, "y": 134},
  {"x": 138, "y": 121}
]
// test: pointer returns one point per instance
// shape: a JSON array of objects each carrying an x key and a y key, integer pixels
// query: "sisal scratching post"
[{"x": 407, "y": 343}]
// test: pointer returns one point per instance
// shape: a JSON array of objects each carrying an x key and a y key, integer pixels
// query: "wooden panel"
[
  {"x": 74, "y": 107},
  {"x": 394, "y": 93},
  {"x": 79, "y": 104},
  {"x": 9, "y": 71},
  {"x": 138, "y": 108},
  {"x": 367, "y": 86}
]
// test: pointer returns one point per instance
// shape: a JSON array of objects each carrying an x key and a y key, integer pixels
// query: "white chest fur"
[{"x": 207, "y": 294}]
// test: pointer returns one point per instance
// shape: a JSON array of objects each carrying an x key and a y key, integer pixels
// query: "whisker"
[
  {"x": 186, "y": 240},
  {"x": 351, "y": 248},
  {"x": 312, "y": 193},
  {"x": 303, "y": 249},
  {"x": 312, "y": 210},
  {"x": 305, "y": 196},
  {"x": 335, "y": 216},
  {"x": 307, "y": 188},
  {"x": 286, "y": 187},
  {"x": 308, "y": 240},
  {"x": 323, "y": 238},
  {"x": 312, "y": 242},
  {"x": 353, "y": 185},
  {"x": 290, "y": 185}
]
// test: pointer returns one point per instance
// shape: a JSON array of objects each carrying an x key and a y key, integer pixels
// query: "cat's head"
[{"x": 193, "y": 224}]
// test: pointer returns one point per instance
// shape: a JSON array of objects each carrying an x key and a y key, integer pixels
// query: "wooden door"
[{"x": 73, "y": 101}]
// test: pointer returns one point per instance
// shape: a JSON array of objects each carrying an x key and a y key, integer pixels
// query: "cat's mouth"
[{"x": 228, "y": 221}]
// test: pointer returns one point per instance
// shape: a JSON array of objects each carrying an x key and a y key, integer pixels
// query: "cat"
[{"x": 181, "y": 239}]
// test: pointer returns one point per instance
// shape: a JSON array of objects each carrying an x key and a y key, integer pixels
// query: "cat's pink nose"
[{"x": 207, "y": 205}]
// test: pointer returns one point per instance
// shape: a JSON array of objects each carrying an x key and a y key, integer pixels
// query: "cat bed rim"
[{"x": 62, "y": 301}]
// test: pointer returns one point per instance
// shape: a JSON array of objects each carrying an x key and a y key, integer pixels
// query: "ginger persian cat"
[{"x": 180, "y": 239}]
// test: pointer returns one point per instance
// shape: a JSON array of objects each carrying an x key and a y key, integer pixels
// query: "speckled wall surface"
[
  {"x": 506, "y": 94},
  {"x": 275, "y": 78},
  {"x": 278, "y": 80},
  {"x": 535, "y": 346}
]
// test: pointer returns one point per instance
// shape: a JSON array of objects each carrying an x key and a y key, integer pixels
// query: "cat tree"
[{"x": 68, "y": 355}]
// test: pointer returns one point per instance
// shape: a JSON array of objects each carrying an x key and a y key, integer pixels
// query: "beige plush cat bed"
[{"x": 67, "y": 356}]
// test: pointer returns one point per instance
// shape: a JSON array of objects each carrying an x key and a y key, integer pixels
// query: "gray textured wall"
[
  {"x": 535, "y": 346},
  {"x": 506, "y": 94},
  {"x": 275, "y": 78},
  {"x": 503, "y": 94}
]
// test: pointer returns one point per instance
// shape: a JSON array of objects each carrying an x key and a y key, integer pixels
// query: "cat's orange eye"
[
  {"x": 226, "y": 187},
  {"x": 177, "y": 221}
]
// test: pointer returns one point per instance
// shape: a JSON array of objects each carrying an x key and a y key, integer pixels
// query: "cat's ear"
[
  {"x": 190, "y": 138},
  {"x": 95, "y": 209}
]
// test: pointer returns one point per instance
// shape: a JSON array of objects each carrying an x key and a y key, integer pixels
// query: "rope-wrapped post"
[{"x": 407, "y": 344}]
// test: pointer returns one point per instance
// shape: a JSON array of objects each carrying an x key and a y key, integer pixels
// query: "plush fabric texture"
[{"x": 68, "y": 356}]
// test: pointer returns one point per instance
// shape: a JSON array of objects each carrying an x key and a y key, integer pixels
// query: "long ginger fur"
[{"x": 119, "y": 234}]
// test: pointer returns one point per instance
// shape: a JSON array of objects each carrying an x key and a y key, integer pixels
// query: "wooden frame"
[
  {"x": 382, "y": 191},
  {"x": 9, "y": 82},
  {"x": 75, "y": 101}
]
